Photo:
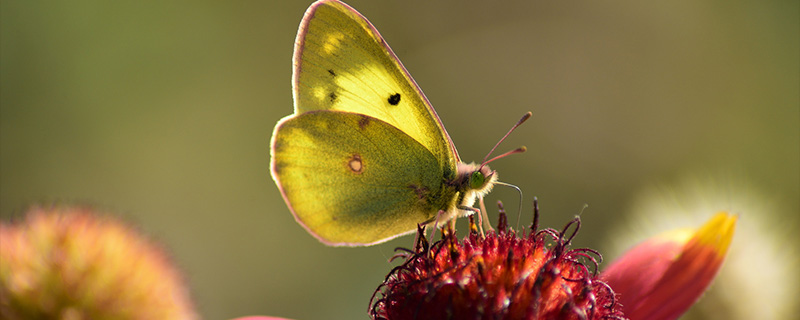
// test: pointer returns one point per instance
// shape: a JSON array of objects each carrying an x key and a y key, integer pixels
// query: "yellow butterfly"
[{"x": 364, "y": 158}]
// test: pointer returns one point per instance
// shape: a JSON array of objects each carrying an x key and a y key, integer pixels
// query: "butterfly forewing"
[{"x": 342, "y": 63}]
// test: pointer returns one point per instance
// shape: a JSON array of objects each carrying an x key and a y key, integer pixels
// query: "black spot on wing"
[
  {"x": 333, "y": 74},
  {"x": 394, "y": 99},
  {"x": 332, "y": 97}
]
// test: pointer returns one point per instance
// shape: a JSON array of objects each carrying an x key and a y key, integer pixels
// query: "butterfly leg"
[
  {"x": 477, "y": 213},
  {"x": 435, "y": 223},
  {"x": 485, "y": 215}
]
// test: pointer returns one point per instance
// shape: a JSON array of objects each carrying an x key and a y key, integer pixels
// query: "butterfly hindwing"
[{"x": 354, "y": 179}]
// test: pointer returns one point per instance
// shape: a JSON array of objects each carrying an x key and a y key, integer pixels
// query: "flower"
[
  {"x": 66, "y": 262},
  {"x": 765, "y": 241},
  {"x": 536, "y": 275},
  {"x": 502, "y": 275},
  {"x": 663, "y": 276}
]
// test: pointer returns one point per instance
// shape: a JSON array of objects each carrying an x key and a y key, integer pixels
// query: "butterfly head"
[{"x": 476, "y": 178}]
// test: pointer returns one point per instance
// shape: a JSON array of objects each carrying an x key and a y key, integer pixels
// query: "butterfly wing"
[
  {"x": 341, "y": 62},
  {"x": 351, "y": 179}
]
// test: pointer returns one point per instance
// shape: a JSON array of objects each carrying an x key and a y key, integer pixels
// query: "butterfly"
[{"x": 364, "y": 158}]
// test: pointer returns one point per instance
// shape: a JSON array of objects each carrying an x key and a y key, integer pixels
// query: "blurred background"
[{"x": 162, "y": 113}]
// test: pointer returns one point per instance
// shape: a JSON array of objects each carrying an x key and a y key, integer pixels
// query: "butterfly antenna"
[
  {"x": 518, "y": 150},
  {"x": 519, "y": 213}
]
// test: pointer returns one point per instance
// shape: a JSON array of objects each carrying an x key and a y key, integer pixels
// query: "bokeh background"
[{"x": 162, "y": 112}]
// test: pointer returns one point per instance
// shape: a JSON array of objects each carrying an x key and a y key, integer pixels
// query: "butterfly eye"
[{"x": 476, "y": 180}]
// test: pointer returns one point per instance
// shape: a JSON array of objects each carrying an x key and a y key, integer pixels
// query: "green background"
[{"x": 162, "y": 112}]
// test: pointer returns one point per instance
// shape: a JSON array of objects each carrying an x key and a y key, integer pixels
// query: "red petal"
[{"x": 663, "y": 276}]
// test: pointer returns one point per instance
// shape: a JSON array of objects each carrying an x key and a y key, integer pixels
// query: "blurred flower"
[
  {"x": 765, "y": 241},
  {"x": 663, "y": 276},
  {"x": 72, "y": 263},
  {"x": 501, "y": 275}
]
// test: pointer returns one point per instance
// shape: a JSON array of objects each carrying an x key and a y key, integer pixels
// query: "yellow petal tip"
[{"x": 718, "y": 232}]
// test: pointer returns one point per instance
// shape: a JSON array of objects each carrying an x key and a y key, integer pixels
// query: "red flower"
[
  {"x": 663, "y": 276},
  {"x": 501, "y": 275},
  {"x": 536, "y": 275}
]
